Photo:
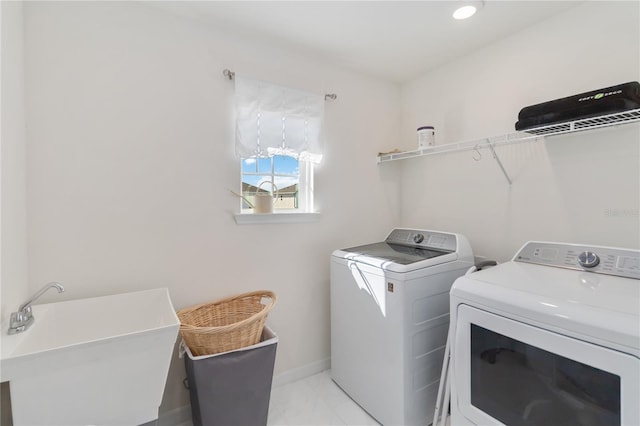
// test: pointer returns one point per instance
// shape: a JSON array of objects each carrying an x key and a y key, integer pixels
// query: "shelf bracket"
[{"x": 495, "y": 156}]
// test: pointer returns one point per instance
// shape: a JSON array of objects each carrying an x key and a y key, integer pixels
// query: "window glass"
[
  {"x": 292, "y": 189},
  {"x": 264, "y": 165}
]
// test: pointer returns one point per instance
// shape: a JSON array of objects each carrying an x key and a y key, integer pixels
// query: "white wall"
[
  {"x": 582, "y": 188},
  {"x": 130, "y": 162},
  {"x": 14, "y": 231}
]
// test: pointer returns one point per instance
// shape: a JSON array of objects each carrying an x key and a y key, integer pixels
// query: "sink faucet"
[{"x": 20, "y": 321}]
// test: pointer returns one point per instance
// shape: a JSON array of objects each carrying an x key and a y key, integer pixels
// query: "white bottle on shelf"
[{"x": 426, "y": 137}]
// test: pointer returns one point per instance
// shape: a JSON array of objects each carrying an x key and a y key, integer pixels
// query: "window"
[
  {"x": 278, "y": 141},
  {"x": 292, "y": 179}
]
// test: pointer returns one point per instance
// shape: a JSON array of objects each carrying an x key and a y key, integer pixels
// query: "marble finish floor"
[{"x": 315, "y": 400}]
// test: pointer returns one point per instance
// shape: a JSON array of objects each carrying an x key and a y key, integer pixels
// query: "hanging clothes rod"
[{"x": 230, "y": 75}]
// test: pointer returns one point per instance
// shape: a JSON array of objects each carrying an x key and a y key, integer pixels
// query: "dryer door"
[{"x": 508, "y": 372}]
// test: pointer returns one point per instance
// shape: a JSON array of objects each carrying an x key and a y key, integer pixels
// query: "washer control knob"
[
  {"x": 418, "y": 238},
  {"x": 588, "y": 259}
]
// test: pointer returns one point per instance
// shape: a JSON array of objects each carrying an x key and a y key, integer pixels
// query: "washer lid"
[
  {"x": 407, "y": 250},
  {"x": 402, "y": 255}
]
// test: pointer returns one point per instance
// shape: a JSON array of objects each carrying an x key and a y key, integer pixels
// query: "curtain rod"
[{"x": 230, "y": 75}]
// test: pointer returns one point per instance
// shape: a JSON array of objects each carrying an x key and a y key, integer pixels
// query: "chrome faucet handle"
[{"x": 27, "y": 313}]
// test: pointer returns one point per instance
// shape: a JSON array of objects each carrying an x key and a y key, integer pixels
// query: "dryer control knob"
[
  {"x": 588, "y": 259},
  {"x": 418, "y": 238}
]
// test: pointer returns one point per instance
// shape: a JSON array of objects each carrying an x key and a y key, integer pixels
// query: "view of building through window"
[{"x": 259, "y": 173}]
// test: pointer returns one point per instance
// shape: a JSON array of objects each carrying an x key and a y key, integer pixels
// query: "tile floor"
[{"x": 315, "y": 400}]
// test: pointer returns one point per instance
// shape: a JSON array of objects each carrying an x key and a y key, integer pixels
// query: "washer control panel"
[
  {"x": 601, "y": 260},
  {"x": 423, "y": 239}
]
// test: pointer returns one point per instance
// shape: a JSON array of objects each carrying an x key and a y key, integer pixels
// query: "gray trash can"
[{"x": 232, "y": 388}]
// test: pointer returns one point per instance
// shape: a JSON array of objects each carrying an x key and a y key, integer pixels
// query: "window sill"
[{"x": 255, "y": 218}]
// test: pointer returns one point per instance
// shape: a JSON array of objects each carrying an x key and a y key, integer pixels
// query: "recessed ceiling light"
[
  {"x": 467, "y": 10},
  {"x": 464, "y": 12}
]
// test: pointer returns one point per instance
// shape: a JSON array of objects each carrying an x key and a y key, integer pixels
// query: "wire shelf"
[{"x": 533, "y": 134}]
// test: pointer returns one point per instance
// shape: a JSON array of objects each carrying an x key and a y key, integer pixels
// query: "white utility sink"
[{"x": 98, "y": 361}]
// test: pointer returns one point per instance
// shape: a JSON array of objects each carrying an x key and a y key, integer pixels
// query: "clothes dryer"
[
  {"x": 389, "y": 320},
  {"x": 551, "y": 337}
]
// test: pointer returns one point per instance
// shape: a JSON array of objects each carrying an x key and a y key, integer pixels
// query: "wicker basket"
[{"x": 226, "y": 324}]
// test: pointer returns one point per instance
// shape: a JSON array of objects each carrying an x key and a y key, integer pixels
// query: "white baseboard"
[
  {"x": 301, "y": 372},
  {"x": 182, "y": 415}
]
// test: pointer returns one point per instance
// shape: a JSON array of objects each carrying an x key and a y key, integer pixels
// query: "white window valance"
[{"x": 277, "y": 120}]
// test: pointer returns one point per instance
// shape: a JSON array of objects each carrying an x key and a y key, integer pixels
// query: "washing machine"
[
  {"x": 389, "y": 320},
  {"x": 551, "y": 337}
]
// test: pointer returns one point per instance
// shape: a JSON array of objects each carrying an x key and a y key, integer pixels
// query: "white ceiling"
[{"x": 393, "y": 40}]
